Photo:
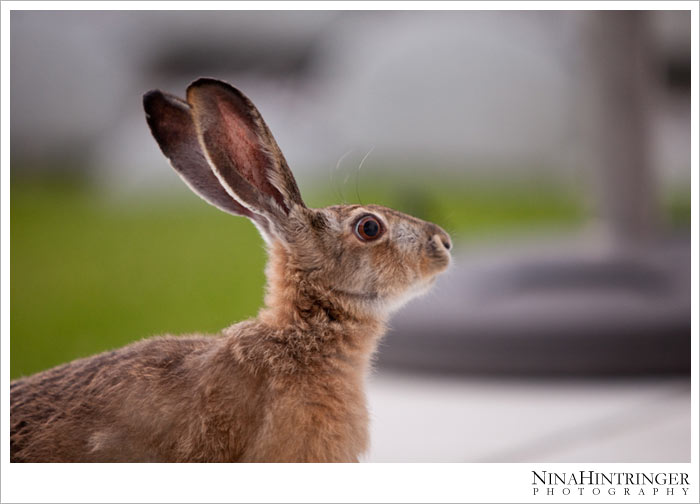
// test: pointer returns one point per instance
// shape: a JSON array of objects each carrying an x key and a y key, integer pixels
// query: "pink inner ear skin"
[
  {"x": 171, "y": 124},
  {"x": 246, "y": 149}
]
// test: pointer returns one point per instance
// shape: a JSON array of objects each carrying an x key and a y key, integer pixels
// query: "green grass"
[
  {"x": 91, "y": 272},
  {"x": 87, "y": 275},
  {"x": 676, "y": 204}
]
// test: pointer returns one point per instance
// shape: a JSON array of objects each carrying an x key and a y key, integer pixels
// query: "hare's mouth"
[
  {"x": 439, "y": 254},
  {"x": 439, "y": 261}
]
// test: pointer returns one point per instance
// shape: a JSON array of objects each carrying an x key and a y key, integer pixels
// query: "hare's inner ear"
[
  {"x": 171, "y": 124},
  {"x": 170, "y": 121},
  {"x": 241, "y": 149}
]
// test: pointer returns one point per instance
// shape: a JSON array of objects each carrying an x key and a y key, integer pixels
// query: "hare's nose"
[{"x": 443, "y": 238}]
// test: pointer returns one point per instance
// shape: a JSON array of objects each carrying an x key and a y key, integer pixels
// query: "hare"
[{"x": 287, "y": 386}]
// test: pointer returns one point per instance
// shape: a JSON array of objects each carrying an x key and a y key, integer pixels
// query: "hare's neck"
[{"x": 316, "y": 320}]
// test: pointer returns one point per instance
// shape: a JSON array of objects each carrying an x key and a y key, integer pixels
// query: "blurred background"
[{"x": 553, "y": 146}]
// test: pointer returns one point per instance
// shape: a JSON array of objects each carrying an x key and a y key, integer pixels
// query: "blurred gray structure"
[
  {"x": 553, "y": 308},
  {"x": 499, "y": 91}
]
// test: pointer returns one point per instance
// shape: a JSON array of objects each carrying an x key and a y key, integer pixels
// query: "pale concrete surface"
[{"x": 424, "y": 418}]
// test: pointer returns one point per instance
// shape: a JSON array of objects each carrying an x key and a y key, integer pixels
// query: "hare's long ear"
[
  {"x": 242, "y": 152},
  {"x": 170, "y": 121}
]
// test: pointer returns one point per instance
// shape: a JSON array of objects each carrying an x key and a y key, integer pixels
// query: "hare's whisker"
[
  {"x": 339, "y": 189},
  {"x": 357, "y": 177}
]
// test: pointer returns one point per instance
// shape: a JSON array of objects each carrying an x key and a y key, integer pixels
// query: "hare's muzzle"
[
  {"x": 443, "y": 239},
  {"x": 439, "y": 246},
  {"x": 439, "y": 238}
]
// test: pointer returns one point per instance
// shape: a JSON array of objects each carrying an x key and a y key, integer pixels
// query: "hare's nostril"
[{"x": 443, "y": 239}]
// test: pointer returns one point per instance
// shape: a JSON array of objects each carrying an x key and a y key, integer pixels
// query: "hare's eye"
[{"x": 369, "y": 228}]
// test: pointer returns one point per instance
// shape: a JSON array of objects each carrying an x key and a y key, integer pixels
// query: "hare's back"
[{"x": 90, "y": 408}]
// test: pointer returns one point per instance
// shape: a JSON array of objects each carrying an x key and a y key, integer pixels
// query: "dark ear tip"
[
  {"x": 208, "y": 82},
  {"x": 151, "y": 98},
  {"x": 156, "y": 101}
]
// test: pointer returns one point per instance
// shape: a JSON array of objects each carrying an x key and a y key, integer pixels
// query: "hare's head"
[{"x": 370, "y": 257}]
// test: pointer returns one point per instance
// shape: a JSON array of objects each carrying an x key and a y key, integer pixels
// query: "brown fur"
[{"x": 287, "y": 386}]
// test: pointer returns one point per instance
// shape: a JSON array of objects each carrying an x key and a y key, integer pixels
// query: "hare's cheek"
[
  {"x": 389, "y": 259},
  {"x": 402, "y": 273},
  {"x": 357, "y": 272}
]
